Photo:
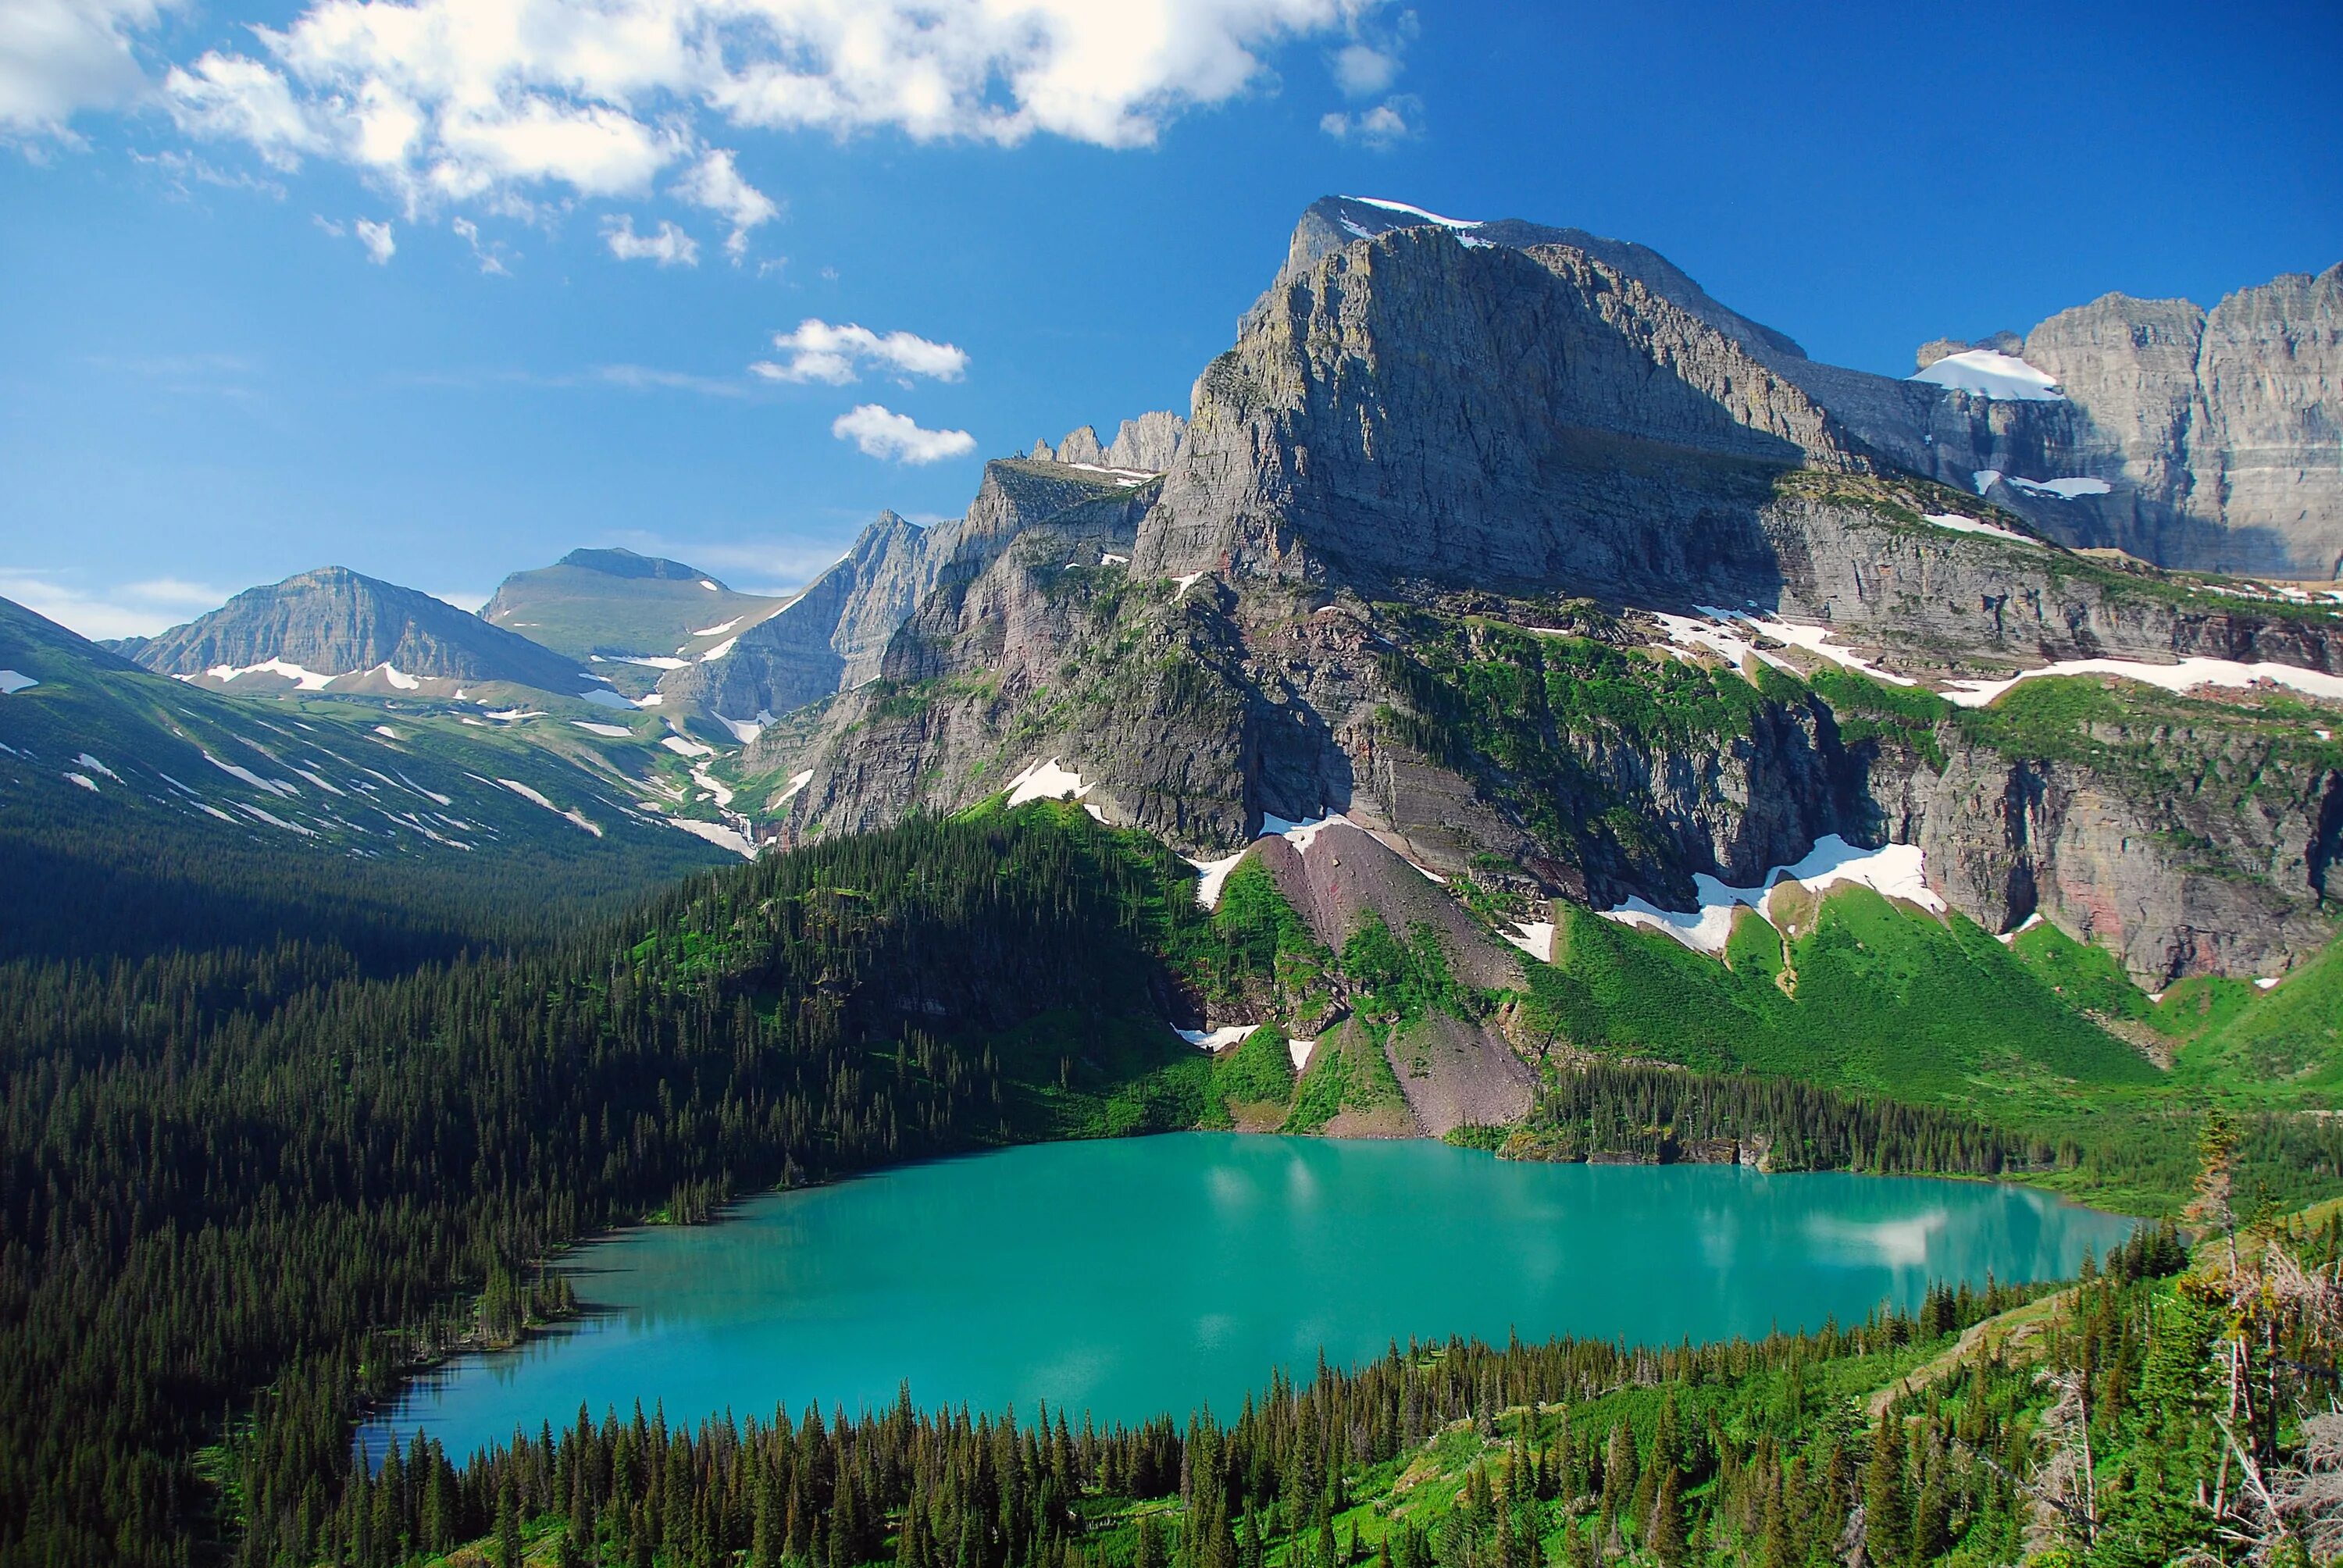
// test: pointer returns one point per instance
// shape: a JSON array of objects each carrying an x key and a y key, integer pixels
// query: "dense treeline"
[
  {"x": 243, "y": 1190},
  {"x": 229, "y": 1171},
  {"x": 1659, "y": 1115},
  {"x": 130, "y": 883}
]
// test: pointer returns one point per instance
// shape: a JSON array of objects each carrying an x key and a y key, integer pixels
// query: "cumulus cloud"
[
  {"x": 820, "y": 352},
  {"x": 463, "y": 100},
  {"x": 715, "y": 183},
  {"x": 898, "y": 438},
  {"x": 668, "y": 244},
  {"x": 377, "y": 238},
  {"x": 1361, "y": 71},
  {"x": 1394, "y": 120},
  {"x": 59, "y": 58},
  {"x": 228, "y": 97}
]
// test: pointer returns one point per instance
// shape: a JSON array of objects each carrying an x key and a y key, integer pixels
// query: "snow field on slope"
[{"x": 1897, "y": 870}]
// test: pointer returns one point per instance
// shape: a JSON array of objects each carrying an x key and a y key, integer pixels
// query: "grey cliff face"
[
  {"x": 830, "y": 637},
  {"x": 1148, "y": 444},
  {"x": 336, "y": 622},
  {"x": 1413, "y": 407},
  {"x": 2219, "y": 433},
  {"x": 1421, "y": 430}
]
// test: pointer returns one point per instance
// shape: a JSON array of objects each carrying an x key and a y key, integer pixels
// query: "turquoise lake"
[{"x": 1135, "y": 1276}]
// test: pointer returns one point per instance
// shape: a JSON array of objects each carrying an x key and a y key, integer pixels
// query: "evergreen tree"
[{"x": 1887, "y": 1499}]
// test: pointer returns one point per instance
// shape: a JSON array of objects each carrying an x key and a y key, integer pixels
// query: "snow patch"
[
  {"x": 386, "y": 732},
  {"x": 397, "y": 678},
  {"x": 1961, "y": 525},
  {"x": 1047, "y": 781},
  {"x": 307, "y": 679},
  {"x": 1122, "y": 476},
  {"x": 1213, "y": 874},
  {"x": 1109, "y": 558},
  {"x": 1983, "y": 373},
  {"x": 2009, "y": 937},
  {"x": 95, "y": 766},
  {"x": 715, "y": 833},
  {"x": 654, "y": 700},
  {"x": 711, "y": 587},
  {"x": 274, "y": 785},
  {"x": 1719, "y": 634},
  {"x": 1219, "y": 1039},
  {"x": 717, "y": 790},
  {"x": 1986, "y": 479},
  {"x": 684, "y": 746},
  {"x": 797, "y": 783},
  {"x": 12, "y": 681},
  {"x": 1181, "y": 585},
  {"x": 317, "y": 779},
  {"x": 86, "y": 782},
  {"x": 716, "y": 630},
  {"x": 274, "y": 820},
  {"x": 2186, "y": 676},
  {"x": 720, "y": 651},
  {"x": 1897, "y": 870},
  {"x": 1535, "y": 938},
  {"x": 744, "y": 730},
  {"x": 649, "y": 661},
  {"x": 1416, "y": 212},
  {"x": 2065, "y": 490},
  {"x": 525, "y": 793},
  {"x": 1300, "y": 1049},
  {"x": 2265, "y": 981},
  {"x": 615, "y": 732}
]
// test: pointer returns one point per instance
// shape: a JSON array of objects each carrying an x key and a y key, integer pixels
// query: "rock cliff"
[{"x": 1543, "y": 567}]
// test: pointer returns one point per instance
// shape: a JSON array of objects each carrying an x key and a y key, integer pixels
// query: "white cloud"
[
  {"x": 491, "y": 256},
  {"x": 230, "y": 98},
  {"x": 895, "y": 437},
  {"x": 1395, "y": 119},
  {"x": 820, "y": 352},
  {"x": 470, "y": 603},
  {"x": 463, "y": 100},
  {"x": 129, "y": 609},
  {"x": 1361, "y": 71},
  {"x": 715, "y": 183},
  {"x": 668, "y": 244},
  {"x": 377, "y": 238},
  {"x": 60, "y": 56}
]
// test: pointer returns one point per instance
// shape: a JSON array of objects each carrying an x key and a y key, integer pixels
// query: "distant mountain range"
[
  {"x": 333, "y": 630},
  {"x": 1514, "y": 545}
]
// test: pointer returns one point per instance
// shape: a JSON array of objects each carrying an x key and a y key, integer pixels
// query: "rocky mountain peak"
[
  {"x": 1421, "y": 404},
  {"x": 1145, "y": 445},
  {"x": 333, "y": 621}
]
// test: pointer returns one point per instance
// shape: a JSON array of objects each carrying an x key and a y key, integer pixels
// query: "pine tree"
[{"x": 1886, "y": 1500}]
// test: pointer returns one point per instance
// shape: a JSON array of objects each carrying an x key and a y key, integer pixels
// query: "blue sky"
[{"x": 210, "y": 376}]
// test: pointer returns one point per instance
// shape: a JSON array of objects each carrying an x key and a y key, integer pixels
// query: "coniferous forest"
[{"x": 246, "y": 1189}]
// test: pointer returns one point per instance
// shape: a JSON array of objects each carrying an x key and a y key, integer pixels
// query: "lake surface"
[{"x": 1135, "y": 1276}]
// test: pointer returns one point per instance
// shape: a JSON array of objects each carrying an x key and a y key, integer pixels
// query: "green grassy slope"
[{"x": 149, "y": 812}]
